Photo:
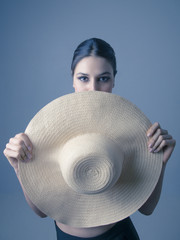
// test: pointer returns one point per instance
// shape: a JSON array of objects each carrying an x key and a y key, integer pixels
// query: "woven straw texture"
[{"x": 74, "y": 115}]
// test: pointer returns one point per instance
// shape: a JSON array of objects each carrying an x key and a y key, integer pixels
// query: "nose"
[{"x": 93, "y": 86}]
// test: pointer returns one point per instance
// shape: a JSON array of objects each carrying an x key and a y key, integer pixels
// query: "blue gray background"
[{"x": 37, "y": 40}]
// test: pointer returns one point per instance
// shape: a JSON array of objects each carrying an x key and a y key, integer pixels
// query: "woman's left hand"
[{"x": 159, "y": 139}]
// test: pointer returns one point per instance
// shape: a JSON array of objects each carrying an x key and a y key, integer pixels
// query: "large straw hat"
[{"x": 91, "y": 164}]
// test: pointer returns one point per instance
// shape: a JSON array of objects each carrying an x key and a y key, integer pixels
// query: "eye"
[
  {"x": 83, "y": 79},
  {"x": 104, "y": 79}
]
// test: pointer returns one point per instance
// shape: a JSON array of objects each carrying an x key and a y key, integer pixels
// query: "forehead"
[{"x": 93, "y": 64}]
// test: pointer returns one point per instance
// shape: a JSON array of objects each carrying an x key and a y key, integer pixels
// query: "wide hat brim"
[{"x": 86, "y": 113}]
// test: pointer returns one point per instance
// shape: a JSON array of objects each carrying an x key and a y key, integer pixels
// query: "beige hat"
[{"x": 91, "y": 165}]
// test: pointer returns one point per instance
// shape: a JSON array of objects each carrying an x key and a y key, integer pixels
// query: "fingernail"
[
  {"x": 29, "y": 148},
  {"x": 151, "y": 150},
  {"x": 150, "y": 145},
  {"x": 29, "y": 156},
  {"x": 148, "y": 134}
]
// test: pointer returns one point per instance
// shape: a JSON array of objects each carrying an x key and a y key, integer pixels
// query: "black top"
[{"x": 123, "y": 230}]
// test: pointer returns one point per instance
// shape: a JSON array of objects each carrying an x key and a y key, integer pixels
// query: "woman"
[{"x": 94, "y": 69}]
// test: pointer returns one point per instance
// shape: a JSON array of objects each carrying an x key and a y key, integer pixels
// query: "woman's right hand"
[{"x": 19, "y": 148}]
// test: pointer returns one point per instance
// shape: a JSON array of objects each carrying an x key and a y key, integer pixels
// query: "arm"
[
  {"x": 33, "y": 207},
  {"x": 149, "y": 206},
  {"x": 19, "y": 148},
  {"x": 159, "y": 139}
]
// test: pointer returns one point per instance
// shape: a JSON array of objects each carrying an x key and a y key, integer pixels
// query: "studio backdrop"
[{"x": 38, "y": 39}]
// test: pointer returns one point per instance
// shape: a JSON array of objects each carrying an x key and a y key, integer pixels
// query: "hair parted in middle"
[{"x": 94, "y": 47}]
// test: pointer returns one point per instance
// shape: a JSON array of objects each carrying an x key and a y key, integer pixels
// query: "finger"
[
  {"x": 158, "y": 142},
  {"x": 165, "y": 143},
  {"x": 153, "y": 129},
  {"x": 25, "y": 138},
  {"x": 12, "y": 155},
  {"x": 18, "y": 144},
  {"x": 159, "y": 132},
  {"x": 13, "y": 146},
  {"x": 13, "y": 158},
  {"x": 21, "y": 149}
]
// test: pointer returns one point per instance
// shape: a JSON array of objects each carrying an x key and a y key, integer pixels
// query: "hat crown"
[{"x": 91, "y": 163}]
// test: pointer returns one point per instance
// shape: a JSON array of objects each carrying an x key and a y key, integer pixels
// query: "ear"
[
  {"x": 73, "y": 83},
  {"x": 113, "y": 83},
  {"x": 72, "y": 78}
]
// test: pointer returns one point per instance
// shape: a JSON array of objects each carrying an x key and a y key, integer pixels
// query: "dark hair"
[{"x": 94, "y": 47}]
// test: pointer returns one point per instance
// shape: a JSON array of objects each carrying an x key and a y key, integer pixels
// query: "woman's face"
[{"x": 93, "y": 74}]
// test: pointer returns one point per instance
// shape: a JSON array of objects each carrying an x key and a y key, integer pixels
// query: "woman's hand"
[
  {"x": 159, "y": 139},
  {"x": 19, "y": 148}
]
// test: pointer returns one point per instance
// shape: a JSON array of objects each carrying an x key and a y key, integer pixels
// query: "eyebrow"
[{"x": 80, "y": 73}]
